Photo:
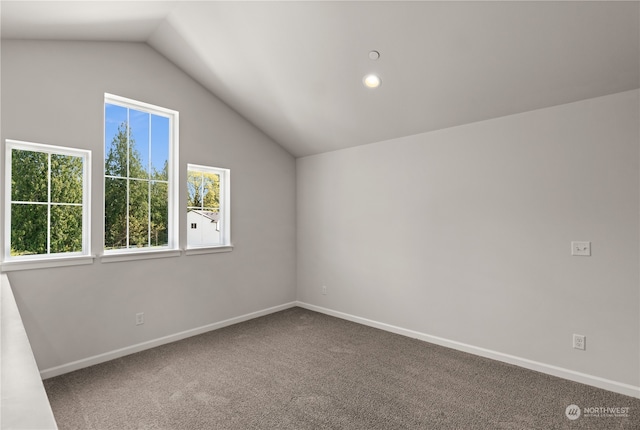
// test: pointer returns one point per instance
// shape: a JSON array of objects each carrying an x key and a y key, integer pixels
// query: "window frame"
[
  {"x": 224, "y": 222},
  {"x": 172, "y": 248},
  {"x": 35, "y": 261}
]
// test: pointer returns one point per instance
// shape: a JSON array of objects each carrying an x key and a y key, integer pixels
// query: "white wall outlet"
[
  {"x": 579, "y": 341},
  {"x": 581, "y": 248},
  {"x": 324, "y": 290},
  {"x": 140, "y": 318}
]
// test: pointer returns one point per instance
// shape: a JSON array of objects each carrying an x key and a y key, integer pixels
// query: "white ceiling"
[{"x": 295, "y": 69}]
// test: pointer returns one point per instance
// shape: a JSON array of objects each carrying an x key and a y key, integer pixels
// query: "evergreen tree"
[
  {"x": 66, "y": 187},
  {"x": 30, "y": 192},
  {"x": 123, "y": 161},
  {"x": 147, "y": 211},
  {"x": 136, "y": 202}
]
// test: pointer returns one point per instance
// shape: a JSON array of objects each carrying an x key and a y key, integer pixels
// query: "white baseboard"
[
  {"x": 595, "y": 381},
  {"x": 111, "y": 355}
]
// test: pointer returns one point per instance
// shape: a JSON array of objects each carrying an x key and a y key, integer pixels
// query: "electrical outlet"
[
  {"x": 140, "y": 318},
  {"x": 324, "y": 290},
  {"x": 581, "y": 249},
  {"x": 579, "y": 341}
]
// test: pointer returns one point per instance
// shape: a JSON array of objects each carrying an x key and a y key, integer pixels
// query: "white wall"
[
  {"x": 53, "y": 92},
  {"x": 478, "y": 221}
]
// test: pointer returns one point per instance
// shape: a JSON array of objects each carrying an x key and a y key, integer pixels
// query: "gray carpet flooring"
[{"x": 298, "y": 369}]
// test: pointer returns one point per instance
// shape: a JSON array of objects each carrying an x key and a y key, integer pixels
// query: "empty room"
[{"x": 320, "y": 215}]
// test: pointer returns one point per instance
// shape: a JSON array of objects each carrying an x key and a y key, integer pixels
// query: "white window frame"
[
  {"x": 24, "y": 262},
  {"x": 224, "y": 223},
  {"x": 172, "y": 249}
]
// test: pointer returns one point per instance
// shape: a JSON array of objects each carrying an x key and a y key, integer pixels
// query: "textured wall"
[
  {"x": 52, "y": 92},
  {"x": 465, "y": 234}
]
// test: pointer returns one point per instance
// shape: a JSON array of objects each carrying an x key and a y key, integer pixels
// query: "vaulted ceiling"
[{"x": 295, "y": 68}]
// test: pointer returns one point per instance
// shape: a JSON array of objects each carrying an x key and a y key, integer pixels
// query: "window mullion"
[
  {"x": 49, "y": 203},
  {"x": 201, "y": 190},
  {"x": 221, "y": 218},
  {"x": 128, "y": 176},
  {"x": 149, "y": 186},
  {"x": 127, "y": 209},
  {"x": 202, "y": 232},
  {"x": 149, "y": 213}
]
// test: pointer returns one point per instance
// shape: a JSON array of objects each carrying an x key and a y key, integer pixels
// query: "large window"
[
  {"x": 47, "y": 203},
  {"x": 139, "y": 176},
  {"x": 208, "y": 206}
]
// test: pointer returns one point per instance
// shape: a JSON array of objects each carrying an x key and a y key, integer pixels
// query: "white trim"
[
  {"x": 132, "y": 254},
  {"x": 208, "y": 250},
  {"x": 46, "y": 148},
  {"x": 47, "y": 260},
  {"x": 595, "y": 381},
  {"x": 112, "y": 355},
  {"x": 174, "y": 166},
  {"x": 583, "y": 378},
  {"x": 135, "y": 104},
  {"x": 86, "y": 200},
  {"x": 224, "y": 176},
  {"x": 46, "y": 263}
]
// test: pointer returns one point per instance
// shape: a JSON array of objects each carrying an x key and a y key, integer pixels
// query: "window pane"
[
  {"x": 211, "y": 190},
  {"x": 138, "y": 213},
  {"x": 140, "y": 216},
  {"x": 66, "y": 179},
  {"x": 115, "y": 140},
  {"x": 159, "y": 214},
  {"x": 28, "y": 229},
  {"x": 194, "y": 189},
  {"x": 160, "y": 147},
  {"x": 115, "y": 213},
  {"x": 66, "y": 229},
  {"x": 206, "y": 226},
  {"x": 138, "y": 144},
  {"x": 29, "y": 176},
  {"x": 46, "y": 200}
]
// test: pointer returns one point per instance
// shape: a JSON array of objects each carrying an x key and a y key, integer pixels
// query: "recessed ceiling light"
[
  {"x": 371, "y": 81},
  {"x": 374, "y": 55}
]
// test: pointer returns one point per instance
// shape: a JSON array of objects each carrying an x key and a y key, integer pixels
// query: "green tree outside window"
[
  {"x": 136, "y": 179},
  {"x": 46, "y": 202}
]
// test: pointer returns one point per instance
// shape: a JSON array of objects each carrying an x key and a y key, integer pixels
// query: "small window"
[
  {"x": 208, "y": 206},
  {"x": 140, "y": 189},
  {"x": 47, "y": 201}
]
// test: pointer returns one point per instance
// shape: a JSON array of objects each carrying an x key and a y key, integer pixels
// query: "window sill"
[
  {"x": 46, "y": 263},
  {"x": 209, "y": 250},
  {"x": 139, "y": 255}
]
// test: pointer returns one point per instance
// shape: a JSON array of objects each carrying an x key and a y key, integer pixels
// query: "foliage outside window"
[
  {"x": 207, "y": 206},
  {"x": 140, "y": 152},
  {"x": 47, "y": 206}
]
